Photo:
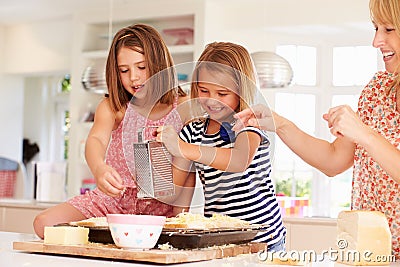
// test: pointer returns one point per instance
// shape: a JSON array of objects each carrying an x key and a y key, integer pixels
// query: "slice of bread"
[{"x": 92, "y": 222}]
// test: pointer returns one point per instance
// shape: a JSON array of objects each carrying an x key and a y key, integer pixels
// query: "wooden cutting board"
[{"x": 110, "y": 251}]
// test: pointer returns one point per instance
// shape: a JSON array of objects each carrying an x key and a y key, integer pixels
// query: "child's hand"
[
  {"x": 109, "y": 181},
  {"x": 259, "y": 116},
  {"x": 170, "y": 138}
]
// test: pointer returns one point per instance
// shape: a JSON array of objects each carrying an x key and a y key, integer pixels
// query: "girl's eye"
[
  {"x": 203, "y": 91},
  {"x": 389, "y": 29},
  {"x": 141, "y": 68},
  {"x": 222, "y": 94},
  {"x": 123, "y": 70}
]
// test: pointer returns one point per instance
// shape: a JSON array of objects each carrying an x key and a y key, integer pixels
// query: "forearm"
[
  {"x": 184, "y": 183},
  {"x": 383, "y": 152},
  {"x": 94, "y": 153},
  {"x": 236, "y": 159},
  {"x": 329, "y": 158}
]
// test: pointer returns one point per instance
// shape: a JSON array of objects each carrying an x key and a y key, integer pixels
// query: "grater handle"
[{"x": 140, "y": 133}]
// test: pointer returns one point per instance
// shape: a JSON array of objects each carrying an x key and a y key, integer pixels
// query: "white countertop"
[{"x": 11, "y": 258}]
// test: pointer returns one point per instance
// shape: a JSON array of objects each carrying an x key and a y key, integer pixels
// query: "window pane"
[
  {"x": 343, "y": 69},
  {"x": 303, "y": 60},
  {"x": 341, "y": 184},
  {"x": 353, "y": 65},
  {"x": 351, "y": 100},
  {"x": 306, "y": 67},
  {"x": 367, "y": 64},
  {"x": 341, "y": 192},
  {"x": 291, "y": 174}
]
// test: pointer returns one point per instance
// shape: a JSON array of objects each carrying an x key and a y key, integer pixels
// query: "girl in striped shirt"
[{"x": 234, "y": 168}]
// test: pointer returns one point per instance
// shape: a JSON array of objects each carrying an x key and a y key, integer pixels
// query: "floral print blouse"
[{"x": 373, "y": 188}]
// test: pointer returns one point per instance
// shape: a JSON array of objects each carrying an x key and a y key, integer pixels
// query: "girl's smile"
[{"x": 217, "y": 94}]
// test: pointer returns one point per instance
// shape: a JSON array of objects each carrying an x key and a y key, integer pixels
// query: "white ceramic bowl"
[{"x": 131, "y": 231}]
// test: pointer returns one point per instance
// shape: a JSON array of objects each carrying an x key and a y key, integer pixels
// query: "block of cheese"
[
  {"x": 66, "y": 235},
  {"x": 363, "y": 238}
]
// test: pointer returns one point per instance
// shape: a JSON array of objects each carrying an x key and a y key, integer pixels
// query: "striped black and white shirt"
[{"x": 248, "y": 195}]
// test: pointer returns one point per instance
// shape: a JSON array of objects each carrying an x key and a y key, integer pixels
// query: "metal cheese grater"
[{"x": 153, "y": 168}]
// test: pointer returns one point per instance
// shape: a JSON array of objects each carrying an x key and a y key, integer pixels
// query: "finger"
[
  {"x": 254, "y": 122},
  {"x": 243, "y": 114},
  {"x": 326, "y": 117},
  {"x": 238, "y": 125}
]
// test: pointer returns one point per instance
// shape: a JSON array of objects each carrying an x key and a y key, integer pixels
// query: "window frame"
[{"x": 324, "y": 92}]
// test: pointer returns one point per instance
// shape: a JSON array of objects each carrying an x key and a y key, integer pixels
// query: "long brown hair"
[
  {"x": 160, "y": 66},
  {"x": 234, "y": 60},
  {"x": 387, "y": 12}
]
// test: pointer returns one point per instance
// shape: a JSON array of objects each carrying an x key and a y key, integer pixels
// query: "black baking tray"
[
  {"x": 187, "y": 240},
  {"x": 100, "y": 235}
]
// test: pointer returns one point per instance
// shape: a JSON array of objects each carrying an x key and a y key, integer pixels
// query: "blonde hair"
[
  {"x": 231, "y": 59},
  {"x": 387, "y": 12},
  {"x": 147, "y": 41}
]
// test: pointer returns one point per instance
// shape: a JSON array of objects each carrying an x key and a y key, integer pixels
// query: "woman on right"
[{"x": 369, "y": 139}]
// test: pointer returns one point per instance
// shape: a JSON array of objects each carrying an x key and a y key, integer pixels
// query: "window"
[
  {"x": 61, "y": 119},
  {"x": 303, "y": 60},
  {"x": 309, "y": 191},
  {"x": 353, "y": 65}
]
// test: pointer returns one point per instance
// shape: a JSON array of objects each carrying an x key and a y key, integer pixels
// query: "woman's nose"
[{"x": 379, "y": 39}]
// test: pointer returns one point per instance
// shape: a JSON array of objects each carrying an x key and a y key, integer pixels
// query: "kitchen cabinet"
[
  {"x": 18, "y": 215},
  {"x": 93, "y": 33},
  {"x": 312, "y": 233}
]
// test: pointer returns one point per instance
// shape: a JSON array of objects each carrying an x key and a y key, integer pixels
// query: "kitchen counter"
[
  {"x": 25, "y": 203},
  {"x": 11, "y": 258}
]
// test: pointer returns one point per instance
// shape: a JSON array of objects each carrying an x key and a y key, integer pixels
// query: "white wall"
[
  {"x": 36, "y": 48},
  {"x": 11, "y": 117},
  {"x": 11, "y": 106},
  {"x": 261, "y": 25}
]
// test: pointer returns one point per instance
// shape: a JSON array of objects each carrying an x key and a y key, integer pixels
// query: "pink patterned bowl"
[{"x": 131, "y": 231}]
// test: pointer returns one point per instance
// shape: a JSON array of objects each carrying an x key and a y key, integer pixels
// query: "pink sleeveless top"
[{"x": 120, "y": 156}]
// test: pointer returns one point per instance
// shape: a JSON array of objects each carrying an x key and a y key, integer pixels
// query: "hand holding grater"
[{"x": 153, "y": 168}]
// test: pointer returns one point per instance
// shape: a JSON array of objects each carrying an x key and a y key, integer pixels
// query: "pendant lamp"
[
  {"x": 273, "y": 70},
  {"x": 94, "y": 80}
]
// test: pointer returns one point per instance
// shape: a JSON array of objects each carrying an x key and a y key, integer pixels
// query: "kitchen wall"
[
  {"x": 11, "y": 108},
  {"x": 261, "y": 25},
  {"x": 27, "y": 51}
]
